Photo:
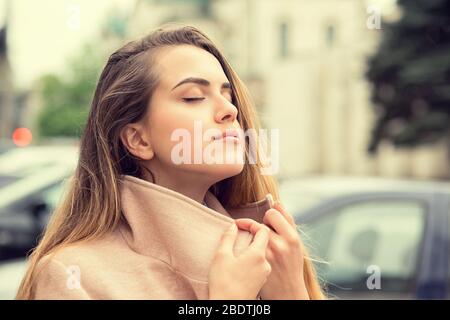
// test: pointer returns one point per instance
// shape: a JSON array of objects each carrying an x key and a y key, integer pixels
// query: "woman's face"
[{"x": 190, "y": 106}]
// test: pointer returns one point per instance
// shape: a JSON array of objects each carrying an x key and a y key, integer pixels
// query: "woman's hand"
[
  {"x": 242, "y": 277},
  {"x": 284, "y": 254}
]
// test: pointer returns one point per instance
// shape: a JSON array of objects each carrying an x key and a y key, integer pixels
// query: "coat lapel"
[{"x": 178, "y": 230}]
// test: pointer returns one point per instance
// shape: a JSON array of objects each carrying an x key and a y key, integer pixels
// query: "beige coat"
[{"x": 164, "y": 251}]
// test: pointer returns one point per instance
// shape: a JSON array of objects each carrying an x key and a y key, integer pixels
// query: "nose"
[{"x": 226, "y": 111}]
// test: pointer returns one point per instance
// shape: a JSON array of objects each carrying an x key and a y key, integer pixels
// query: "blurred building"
[
  {"x": 304, "y": 62},
  {"x": 6, "y": 87}
]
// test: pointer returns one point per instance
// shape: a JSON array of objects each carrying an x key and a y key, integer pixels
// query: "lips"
[{"x": 230, "y": 134}]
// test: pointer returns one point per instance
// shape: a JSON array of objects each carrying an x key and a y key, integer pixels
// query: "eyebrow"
[{"x": 200, "y": 81}]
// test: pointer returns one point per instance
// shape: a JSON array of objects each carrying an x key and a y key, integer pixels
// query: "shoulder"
[
  {"x": 67, "y": 272},
  {"x": 95, "y": 269},
  {"x": 56, "y": 280}
]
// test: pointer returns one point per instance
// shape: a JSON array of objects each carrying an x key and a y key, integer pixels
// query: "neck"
[{"x": 191, "y": 184}]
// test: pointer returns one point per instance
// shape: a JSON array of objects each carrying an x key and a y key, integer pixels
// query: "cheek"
[
  {"x": 166, "y": 123},
  {"x": 173, "y": 120}
]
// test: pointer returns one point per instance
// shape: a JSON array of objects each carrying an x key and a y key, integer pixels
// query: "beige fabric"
[{"x": 162, "y": 250}]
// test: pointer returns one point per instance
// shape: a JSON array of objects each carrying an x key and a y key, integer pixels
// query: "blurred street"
[{"x": 359, "y": 91}]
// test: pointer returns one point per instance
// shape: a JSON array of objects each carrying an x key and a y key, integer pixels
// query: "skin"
[
  {"x": 283, "y": 253},
  {"x": 150, "y": 140}
]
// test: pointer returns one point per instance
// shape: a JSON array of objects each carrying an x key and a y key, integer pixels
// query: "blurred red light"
[{"x": 22, "y": 137}]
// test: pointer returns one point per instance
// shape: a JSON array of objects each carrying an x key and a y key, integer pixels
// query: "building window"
[
  {"x": 330, "y": 35},
  {"x": 284, "y": 40}
]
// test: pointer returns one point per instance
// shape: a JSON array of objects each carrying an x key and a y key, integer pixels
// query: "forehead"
[{"x": 178, "y": 62}]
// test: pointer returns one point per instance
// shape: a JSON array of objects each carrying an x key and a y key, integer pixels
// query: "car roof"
[
  {"x": 299, "y": 194},
  {"x": 34, "y": 168},
  {"x": 21, "y": 161},
  {"x": 328, "y": 186}
]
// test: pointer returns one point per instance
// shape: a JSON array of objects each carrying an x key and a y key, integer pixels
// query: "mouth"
[{"x": 228, "y": 135}]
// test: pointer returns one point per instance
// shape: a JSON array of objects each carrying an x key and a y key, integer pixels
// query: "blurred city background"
[{"x": 360, "y": 91}]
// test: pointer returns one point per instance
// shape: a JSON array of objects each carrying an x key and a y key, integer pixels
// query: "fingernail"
[{"x": 269, "y": 197}]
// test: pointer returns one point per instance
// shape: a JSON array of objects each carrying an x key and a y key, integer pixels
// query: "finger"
[
  {"x": 228, "y": 238},
  {"x": 253, "y": 227},
  {"x": 260, "y": 240},
  {"x": 285, "y": 214},
  {"x": 281, "y": 226},
  {"x": 249, "y": 225}
]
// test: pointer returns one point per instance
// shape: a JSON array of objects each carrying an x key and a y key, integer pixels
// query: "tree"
[
  {"x": 410, "y": 74},
  {"x": 66, "y": 99}
]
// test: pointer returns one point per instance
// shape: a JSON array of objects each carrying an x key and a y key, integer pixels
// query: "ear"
[{"x": 136, "y": 139}]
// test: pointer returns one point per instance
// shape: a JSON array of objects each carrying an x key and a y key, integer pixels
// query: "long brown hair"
[{"x": 91, "y": 205}]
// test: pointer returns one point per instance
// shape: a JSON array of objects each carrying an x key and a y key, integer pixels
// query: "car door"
[
  {"x": 368, "y": 246},
  {"x": 23, "y": 221}
]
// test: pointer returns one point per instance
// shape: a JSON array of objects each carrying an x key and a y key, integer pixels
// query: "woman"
[{"x": 137, "y": 223}]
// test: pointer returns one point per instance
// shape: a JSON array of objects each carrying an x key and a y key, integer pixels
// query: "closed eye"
[{"x": 193, "y": 99}]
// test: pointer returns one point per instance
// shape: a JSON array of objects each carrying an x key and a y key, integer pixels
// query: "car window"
[
  {"x": 50, "y": 197},
  {"x": 368, "y": 238},
  {"x": 53, "y": 195}
]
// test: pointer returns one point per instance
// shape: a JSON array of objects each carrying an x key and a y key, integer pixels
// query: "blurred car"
[
  {"x": 31, "y": 183},
  {"x": 11, "y": 274},
  {"x": 358, "y": 230},
  {"x": 374, "y": 238}
]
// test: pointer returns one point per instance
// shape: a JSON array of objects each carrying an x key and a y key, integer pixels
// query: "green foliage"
[
  {"x": 410, "y": 74},
  {"x": 66, "y": 99}
]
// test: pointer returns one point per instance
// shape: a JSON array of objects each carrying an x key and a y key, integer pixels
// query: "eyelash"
[{"x": 193, "y": 99}]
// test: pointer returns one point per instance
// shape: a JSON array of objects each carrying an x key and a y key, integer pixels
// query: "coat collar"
[{"x": 176, "y": 229}]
